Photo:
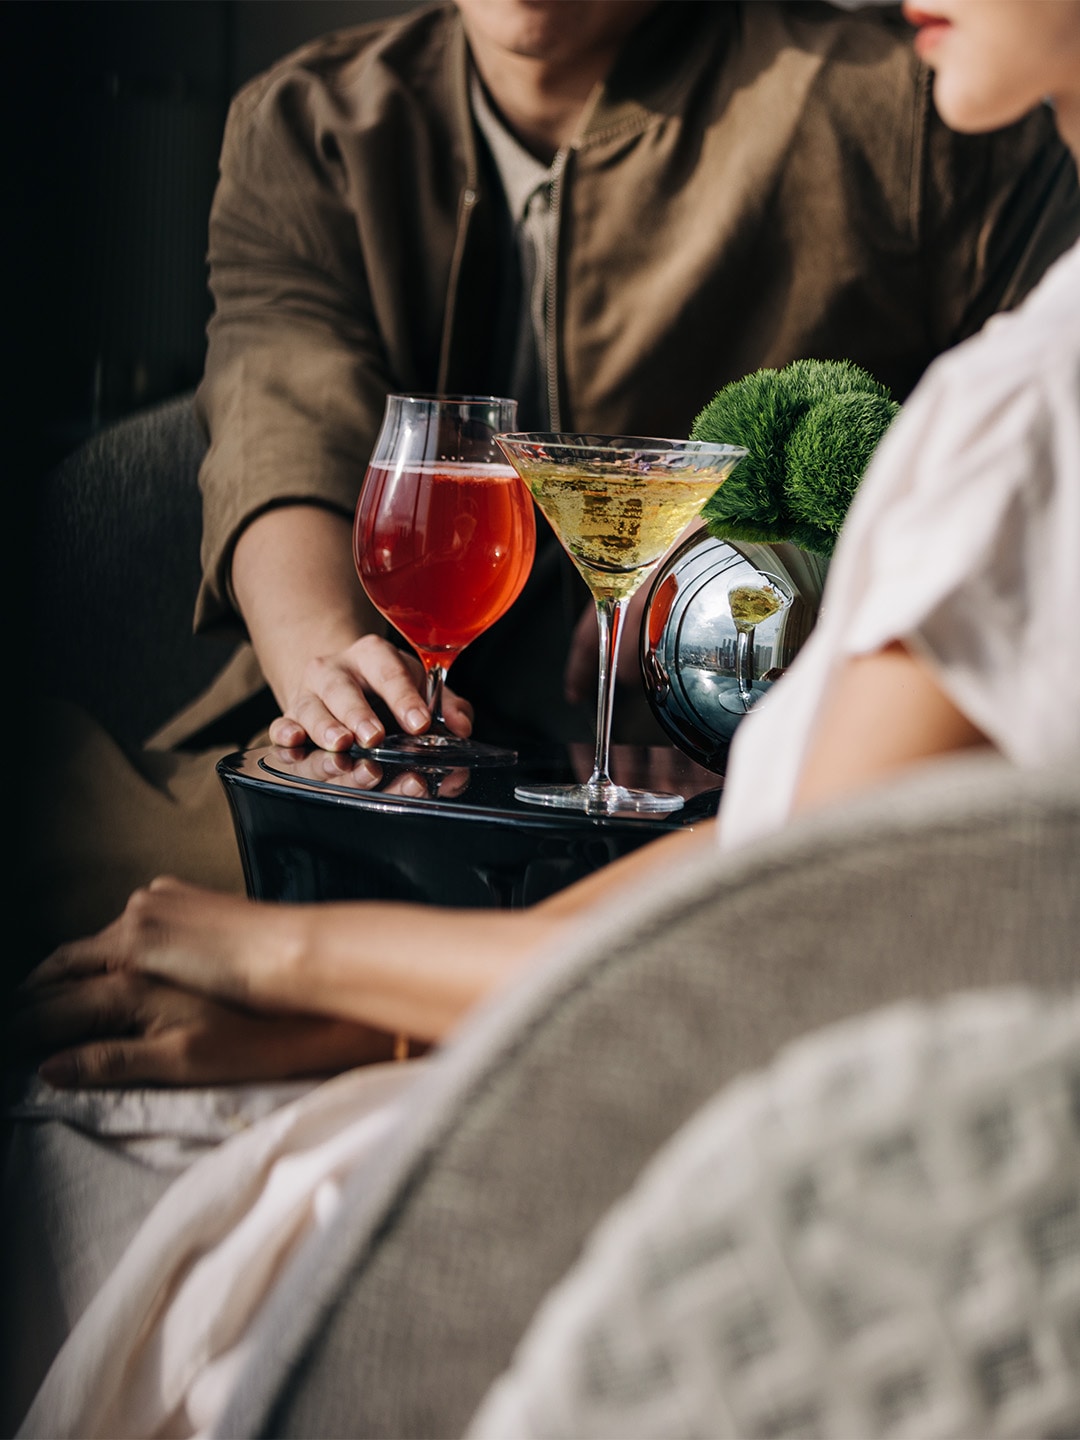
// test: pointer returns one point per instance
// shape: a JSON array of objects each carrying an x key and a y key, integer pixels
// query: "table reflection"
[
  {"x": 316, "y": 825},
  {"x": 357, "y": 770}
]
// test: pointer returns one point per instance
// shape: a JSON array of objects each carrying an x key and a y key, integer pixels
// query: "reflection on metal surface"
[
  {"x": 690, "y": 644},
  {"x": 751, "y": 605}
]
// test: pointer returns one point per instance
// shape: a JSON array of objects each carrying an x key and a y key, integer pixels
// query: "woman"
[{"x": 949, "y": 623}]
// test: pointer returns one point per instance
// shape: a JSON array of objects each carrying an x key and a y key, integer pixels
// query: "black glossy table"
[{"x": 316, "y": 826}]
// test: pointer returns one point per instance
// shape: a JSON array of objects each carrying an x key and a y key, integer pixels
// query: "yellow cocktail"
[{"x": 617, "y": 504}]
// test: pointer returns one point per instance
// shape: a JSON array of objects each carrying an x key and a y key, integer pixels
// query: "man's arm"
[{"x": 292, "y": 397}]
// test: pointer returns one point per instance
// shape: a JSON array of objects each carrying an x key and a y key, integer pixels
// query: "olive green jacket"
[{"x": 755, "y": 182}]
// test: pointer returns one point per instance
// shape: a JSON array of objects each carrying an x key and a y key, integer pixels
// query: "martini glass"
[
  {"x": 751, "y": 602},
  {"x": 617, "y": 503},
  {"x": 443, "y": 541}
]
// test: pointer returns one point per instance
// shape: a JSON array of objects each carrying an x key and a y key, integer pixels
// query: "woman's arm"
[
  {"x": 885, "y": 711},
  {"x": 191, "y": 986},
  {"x": 417, "y": 969},
  {"x": 395, "y": 967}
]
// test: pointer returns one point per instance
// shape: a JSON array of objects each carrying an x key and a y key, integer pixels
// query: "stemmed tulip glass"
[
  {"x": 444, "y": 539},
  {"x": 751, "y": 602},
  {"x": 616, "y": 503}
]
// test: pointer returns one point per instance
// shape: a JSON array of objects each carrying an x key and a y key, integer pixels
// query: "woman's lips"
[{"x": 929, "y": 28}]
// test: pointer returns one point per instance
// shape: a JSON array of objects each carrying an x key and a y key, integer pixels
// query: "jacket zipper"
[
  {"x": 551, "y": 349},
  {"x": 466, "y": 206}
]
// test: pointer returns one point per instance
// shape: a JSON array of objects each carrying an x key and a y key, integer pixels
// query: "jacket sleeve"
[
  {"x": 296, "y": 372},
  {"x": 995, "y": 211}
]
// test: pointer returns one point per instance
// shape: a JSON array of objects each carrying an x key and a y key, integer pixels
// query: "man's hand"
[
  {"x": 316, "y": 635},
  {"x": 122, "y": 1028},
  {"x": 331, "y": 703}
]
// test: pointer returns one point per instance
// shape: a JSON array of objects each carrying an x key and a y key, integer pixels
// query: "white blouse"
[{"x": 964, "y": 542}]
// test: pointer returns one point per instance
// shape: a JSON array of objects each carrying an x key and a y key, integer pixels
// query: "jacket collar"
[{"x": 659, "y": 63}]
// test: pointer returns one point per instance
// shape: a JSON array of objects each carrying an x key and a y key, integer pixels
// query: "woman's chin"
[{"x": 972, "y": 114}]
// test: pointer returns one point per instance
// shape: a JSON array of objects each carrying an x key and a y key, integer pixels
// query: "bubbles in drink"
[{"x": 615, "y": 527}]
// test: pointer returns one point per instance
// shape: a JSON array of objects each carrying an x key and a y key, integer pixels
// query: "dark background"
[
  {"x": 117, "y": 110},
  {"x": 111, "y": 116}
]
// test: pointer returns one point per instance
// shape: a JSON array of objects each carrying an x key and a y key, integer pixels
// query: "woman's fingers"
[{"x": 202, "y": 939}]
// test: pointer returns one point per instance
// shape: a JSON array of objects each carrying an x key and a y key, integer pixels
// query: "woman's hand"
[
  {"x": 399, "y": 968},
  {"x": 220, "y": 945}
]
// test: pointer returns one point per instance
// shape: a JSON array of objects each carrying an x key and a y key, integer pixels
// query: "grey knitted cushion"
[
  {"x": 878, "y": 1235},
  {"x": 547, "y": 1104}
]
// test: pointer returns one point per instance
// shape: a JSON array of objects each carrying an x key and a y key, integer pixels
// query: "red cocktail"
[
  {"x": 444, "y": 540},
  {"x": 443, "y": 550}
]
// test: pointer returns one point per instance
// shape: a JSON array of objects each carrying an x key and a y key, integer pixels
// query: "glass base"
[
  {"x": 438, "y": 750},
  {"x": 735, "y": 703},
  {"x": 601, "y": 799}
]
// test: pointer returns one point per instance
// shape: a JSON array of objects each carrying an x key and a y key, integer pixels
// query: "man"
[
  {"x": 755, "y": 182},
  {"x": 606, "y": 208}
]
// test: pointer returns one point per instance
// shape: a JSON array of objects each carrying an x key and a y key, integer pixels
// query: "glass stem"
[
  {"x": 744, "y": 666},
  {"x": 436, "y": 679},
  {"x": 609, "y": 619}
]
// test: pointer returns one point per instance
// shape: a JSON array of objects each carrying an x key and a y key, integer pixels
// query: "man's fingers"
[
  {"x": 58, "y": 1015},
  {"x": 332, "y": 708},
  {"x": 287, "y": 732},
  {"x": 386, "y": 671},
  {"x": 457, "y": 713},
  {"x": 69, "y": 961},
  {"x": 154, "y": 1060},
  {"x": 320, "y": 723},
  {"x": 221, "y": 1048},
  {"x": 396, "y": 677}
]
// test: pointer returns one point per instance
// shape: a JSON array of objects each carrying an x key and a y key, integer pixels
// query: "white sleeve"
[
  {"x": 973, "y": 557},
  {"x": 964, "y": 542}
]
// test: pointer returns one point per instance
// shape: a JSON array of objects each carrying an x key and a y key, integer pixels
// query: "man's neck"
[{"x": 541, "y": 101}]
